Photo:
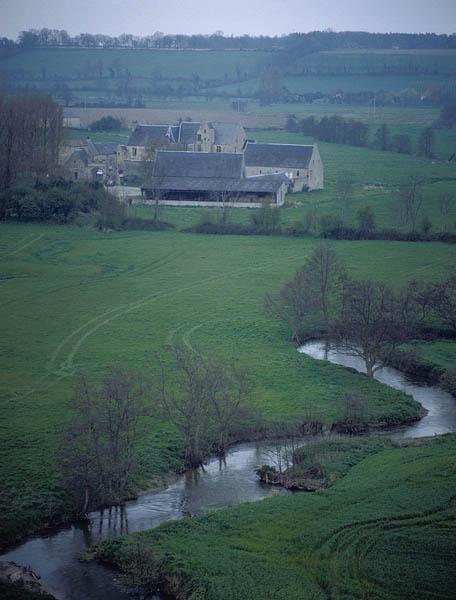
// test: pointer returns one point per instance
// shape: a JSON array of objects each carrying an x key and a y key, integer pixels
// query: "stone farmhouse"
[
  {"x": 189, "y": 178},
  {"x": 187, "y": 135},
  {"x": 302, "y": 164},
  {"x": 92, "y": 162}
]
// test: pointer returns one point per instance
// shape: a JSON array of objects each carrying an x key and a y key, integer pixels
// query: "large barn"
[
  {"x": 210, "y": 179},
  {"x": 302, "y": 164}
]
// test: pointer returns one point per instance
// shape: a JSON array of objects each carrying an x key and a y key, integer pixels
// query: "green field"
[
  {"x": 167, "y": 64},
  {"x": 116, "y": 137},
  {"x": 386, "y": 530},
  {"x": 99, "y": 75},
  {"x": 75, "y": 299},
  {"x": 441, "y": 353}
]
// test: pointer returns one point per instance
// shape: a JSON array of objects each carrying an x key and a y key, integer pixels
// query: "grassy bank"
[
  {"x": 77, "y": 300},
  {"x": 385, "y": 530}
]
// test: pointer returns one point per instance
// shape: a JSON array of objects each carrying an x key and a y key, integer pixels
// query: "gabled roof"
[
  {"x": 226, "y": 133},
  {"x": 106, "y": 148},
  {"x": 293, "y": 156},
  {"x": 79, "y": 155},
  {"x": 146, "y": 134},
  {"x": 187, "y": 132},
  {"x": 198, "y": 164}
]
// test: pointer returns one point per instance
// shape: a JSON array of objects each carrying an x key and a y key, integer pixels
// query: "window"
[
  {"x": 75, "y": 175},
  {"x": 219, "y": 148},
  {"x": 199, "y": 137},
  {"x": 134, "y": 151},
  {"x": 297, "y": 173}
]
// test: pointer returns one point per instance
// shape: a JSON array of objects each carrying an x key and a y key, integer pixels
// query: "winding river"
[{"x": 55, "y": 555}]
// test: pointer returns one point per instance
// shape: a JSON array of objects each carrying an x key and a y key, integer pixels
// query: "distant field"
[
  {"x": 167, "y": 64},
  {"x": 99, "y": 75},
  {"x": 115, "y": 137},
  {"x": 386, "y": 530},
  {"x": 75, "y": 299}
]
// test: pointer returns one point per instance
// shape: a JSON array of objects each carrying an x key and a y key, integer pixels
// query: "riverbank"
[{"x": 345, "y": 538}]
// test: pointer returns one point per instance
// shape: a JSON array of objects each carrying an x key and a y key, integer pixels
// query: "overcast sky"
[{"x": 268, "y": 17}]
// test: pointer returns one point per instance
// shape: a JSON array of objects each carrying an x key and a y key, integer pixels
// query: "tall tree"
[
  {"x": 425, "y": 143},
  {"x": 30, "y": 135},
  {"x": 344, "y": 192},
  {"x": 411, "y": 200},
  {"x": 98, "y": 453},
  {"x": 203, "y": 396},
  {"x": 382, "y": 138},
  {"x": 311, "y": 293},
  {"x": 370, "y": 324}
]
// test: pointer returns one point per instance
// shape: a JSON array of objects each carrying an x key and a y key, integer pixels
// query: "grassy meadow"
[
  {"x": 385, "y": 530},
  {"x": 75, "y": 299}
]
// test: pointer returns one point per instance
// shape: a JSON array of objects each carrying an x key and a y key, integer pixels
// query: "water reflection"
[
  {"x": 440, "y": 405},
  {"x": 221, "y": 483}
]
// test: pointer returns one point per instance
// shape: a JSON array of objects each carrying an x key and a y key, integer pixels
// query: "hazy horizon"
[{"x": 253, "y": 17}]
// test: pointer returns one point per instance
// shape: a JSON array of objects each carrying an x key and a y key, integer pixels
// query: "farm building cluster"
[{"x": 199, "y": 164}]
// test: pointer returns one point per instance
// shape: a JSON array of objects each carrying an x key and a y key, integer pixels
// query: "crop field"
[
  {"x": 386, "y": 530},
  {"x": 75, "y": 299}
]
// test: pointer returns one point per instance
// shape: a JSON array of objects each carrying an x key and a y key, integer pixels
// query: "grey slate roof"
[
  {"x": 293, "y": 156},
  {"x": 144, "y": 134},
  {"x": 205, "y": 165},
  {"x": 79, "y": 155},
  {"x": 259, "y": 184},
  {"x": 225, "y": 133},
  {"x": 106, "y": 148},
  {"x": 187, "y": 132},
  {"x": 184, "y": 133}
]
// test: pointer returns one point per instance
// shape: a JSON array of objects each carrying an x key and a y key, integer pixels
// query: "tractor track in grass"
[
  {"x": 356, "y": 540},
  {"x": 61, "y": 363},
  {"x": 26, "y": 244}
]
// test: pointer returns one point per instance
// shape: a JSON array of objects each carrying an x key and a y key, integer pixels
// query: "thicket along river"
[{"x": 55, "y": 555}]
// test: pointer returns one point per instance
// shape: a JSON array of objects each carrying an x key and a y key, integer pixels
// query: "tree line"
[
  {"x": 295, "y": 43},
  {"x": 340, "y": 130}
]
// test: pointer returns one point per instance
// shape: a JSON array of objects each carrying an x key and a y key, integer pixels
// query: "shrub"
[{"x": 108, "y": 123}]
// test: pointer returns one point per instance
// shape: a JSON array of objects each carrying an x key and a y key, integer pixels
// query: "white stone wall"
[{"x": 316, "y": 171}]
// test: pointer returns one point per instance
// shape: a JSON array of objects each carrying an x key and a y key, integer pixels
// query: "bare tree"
[
  {"x": 370, "y": 325},
  {"x": 225, "y": 197},
  {"x": 411, "y": 200},
  {"x": 344, "y": 192},
  {"x": 30, "y": 134},
  {"x": 445, "y": 301},
  {"x": 98, "y": 454},
  {"x": 312, "y": 291},
  {"x": 204, "y": 403},
  {"x": 446, "y": 202}
]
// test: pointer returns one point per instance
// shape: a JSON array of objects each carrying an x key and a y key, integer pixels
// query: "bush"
[
  {"x": 108, "y": 123},
  {"x": 448, "y": 381}
]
